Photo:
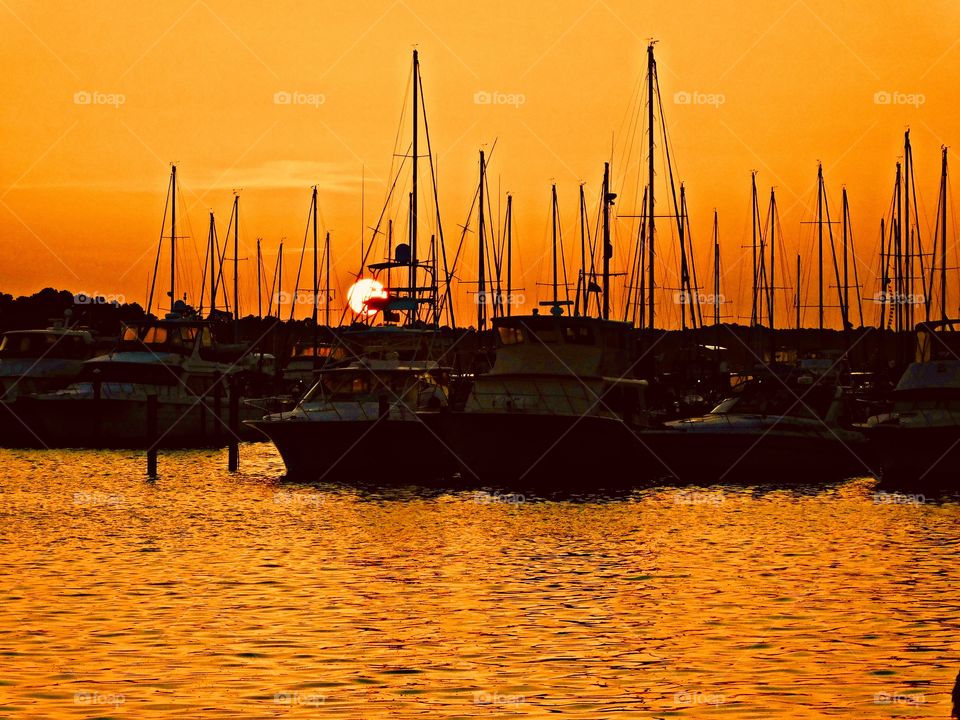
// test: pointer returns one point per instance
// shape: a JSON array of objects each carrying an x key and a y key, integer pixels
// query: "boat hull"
[
  {"x": 122, "y": 423},
  {"x": 555, "y": 451},
  {"x": 390, "y": 451},
  {"x": 765, "y": 456},
  {"x": 918, "y": 455}
]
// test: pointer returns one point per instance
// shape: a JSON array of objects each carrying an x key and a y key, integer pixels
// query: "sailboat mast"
[
  {"x": 798, "y": 291},
  {"x": 211, "y": 241},
  {"x": 773, "y": 244},
  {"x": 582, "y": 285},
  {"x": 898, "y": 250},
  {"x": 943, "y": 235},
  {"x": 173, "y": 236},
  {"x": 481, "y": 269},
  {"x": 259, "y": 284},
  {"x": 279, "y": 278},
  {"x": 326, "y": 306},
  {"x": 651, "y": 69},
  {"x": 908, "y": 236},
  {"x": 316, "y": 269},
  {"x": 716, "y": 269},
  {"x": 553, "y": 204},
  {"x": 884, "y": 259},
  {"x": 509, "y": 253},
  {"x": 820, "y": 242},
  {"x": 607, "y": 247},
  {"x": 754, "y": 313},
  {"x": 413, "y": 195},
  {"x": 236, "y": 267},
  {"x": 846, "y": 280}
]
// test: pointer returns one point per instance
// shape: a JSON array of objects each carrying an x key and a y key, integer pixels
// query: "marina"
[{"x": 480, "y": 362}]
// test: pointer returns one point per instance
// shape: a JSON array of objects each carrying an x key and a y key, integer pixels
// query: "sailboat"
[
  {"x": 381, "y": 380},
  {"x": 175, "y": 359},
  {"x": 918, "y": 438}
]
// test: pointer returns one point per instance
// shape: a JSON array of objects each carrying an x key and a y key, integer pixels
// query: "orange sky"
[{"x": 82, "y": 186}]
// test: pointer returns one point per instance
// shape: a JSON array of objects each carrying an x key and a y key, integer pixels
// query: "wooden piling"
[
  {"x": 152, "y": 411},
  {"x": 233, "y": 450}
]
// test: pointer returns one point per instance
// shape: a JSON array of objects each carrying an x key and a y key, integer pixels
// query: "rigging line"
[
  {"x": 203, "y": 278},
  {"x": 186, "y": 217},
  {"x": 836, "y": 267},
  {"x": 376, "y": 233},
  {"x": 563, "y": 260},
  {"x": 916, "y": 208},
  {"x": 273, "y": 284},
  {"x": 693, "y": 263},
  {"x": 446, "y": 303},
  {"x": 156, "y": 266},
  {"x": 684, "y": 272},
  {"x": 220, "y": 282},
  {"x": 856, "y": 276},
  {"x": 303, "y": 251},
  {"x": 436, "y": 205},
  {"x": 465, "y": 229},
  {"x": 784, "y": 271}
]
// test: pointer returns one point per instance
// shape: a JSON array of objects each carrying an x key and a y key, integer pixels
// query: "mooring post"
[
  {"x": 233, "y": 450},
  {"x": 151, "y": 436},
  {"x": 217, "y": 411}
]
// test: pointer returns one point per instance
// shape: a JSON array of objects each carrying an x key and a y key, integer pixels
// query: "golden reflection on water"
[{"x": 206, "y": 594}]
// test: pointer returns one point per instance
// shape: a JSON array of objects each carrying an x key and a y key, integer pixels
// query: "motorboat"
[
  {"x": 560, "y": 406},
  {"x": 918, "y": 437},
  {"x": 176, "y": 361},
  {"x": 363, "y": 420},
  {"x": 783, "y": 424}
]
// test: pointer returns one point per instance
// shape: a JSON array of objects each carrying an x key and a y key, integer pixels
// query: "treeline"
[
  {"x": 43, "y": 308},
  {"x": 105, "y": 316}
]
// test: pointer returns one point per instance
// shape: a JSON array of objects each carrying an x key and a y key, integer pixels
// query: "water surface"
[{"x": 206, "y": 594}]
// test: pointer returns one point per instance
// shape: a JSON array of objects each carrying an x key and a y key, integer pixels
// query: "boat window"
[
  {"x": 41, "y": 345},
  {"x": 206, "y": 339},
  {"x": 546, "y": 335},
  {"x": 511, "y": 335},
  {"x": 183, "y": 336},
  {"x": 578, "y": 335},
  {"x": 155, "y": 336},
  {"x": 130, "y": 334}
]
